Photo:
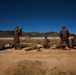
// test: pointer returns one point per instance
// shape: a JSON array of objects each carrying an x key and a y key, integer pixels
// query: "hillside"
[{"x": 9, "y": 33}]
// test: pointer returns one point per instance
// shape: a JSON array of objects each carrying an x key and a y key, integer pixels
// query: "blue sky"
[{"x": 38, "y": 15}]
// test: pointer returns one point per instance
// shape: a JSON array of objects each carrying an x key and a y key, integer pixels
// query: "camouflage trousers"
[
  {"x": 16, "y": 42},
  {"x": 65, "y": 41}
]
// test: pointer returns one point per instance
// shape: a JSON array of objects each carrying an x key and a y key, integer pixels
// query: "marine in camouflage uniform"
[
  {"x": 46, "y": 43},
  {"x": 64, "y": 36},
  {"x": 17, "y": 33},
  {"x": 37, "y": 47}
]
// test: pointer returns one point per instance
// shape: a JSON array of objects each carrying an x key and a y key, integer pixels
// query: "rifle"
[{"x": 21, "y": 31}]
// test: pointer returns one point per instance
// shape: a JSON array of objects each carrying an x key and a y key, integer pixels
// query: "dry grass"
[{"x": 47, "y": 62}]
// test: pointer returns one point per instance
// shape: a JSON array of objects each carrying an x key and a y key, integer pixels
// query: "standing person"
[
  {"x": 64, "y": 36},
  {"x": 46, "y": 43},
  {"x": 17, "y": 33}
]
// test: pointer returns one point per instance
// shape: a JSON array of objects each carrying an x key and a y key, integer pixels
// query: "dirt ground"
[{"x": 53, "y": 59}]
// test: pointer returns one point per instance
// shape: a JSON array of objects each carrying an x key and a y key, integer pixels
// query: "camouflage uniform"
[
  {"x": 64, "y": 36},
  {"x": 46, "y": 43},
  {"x": 73, "y": 41},
  {"x": 17, "y": 33},
  {"x": 37, "y": 47}
]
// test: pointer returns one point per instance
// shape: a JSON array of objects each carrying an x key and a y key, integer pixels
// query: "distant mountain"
[{"x": 9, "y": 33}]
